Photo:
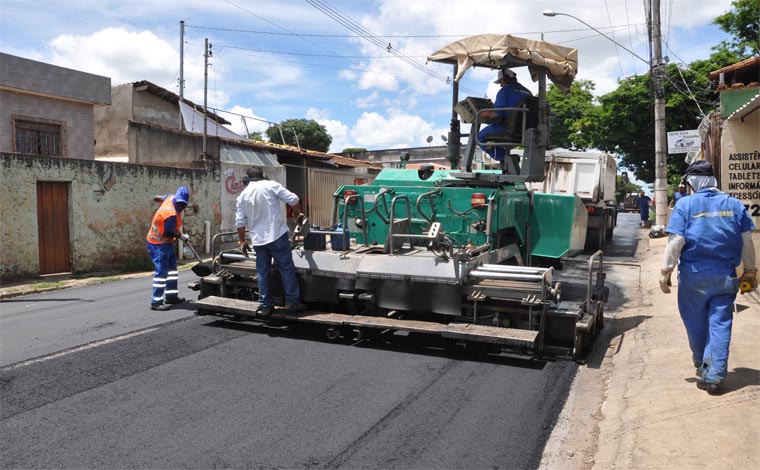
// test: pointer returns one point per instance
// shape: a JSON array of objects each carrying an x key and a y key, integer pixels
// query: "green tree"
[
  {"x": 743, "y": 23},
  {"x": 353, "y": 150},
  {"x": 574, "y": 118},
  {"x": 306, "y": 133},
  {"x": 626, "y": 118},
  {"x": 256, "y": 135}
]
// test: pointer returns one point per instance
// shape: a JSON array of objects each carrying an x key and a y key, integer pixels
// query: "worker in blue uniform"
[
  {"x": 709, "y": 236},
  {"x": 643, "y": 203},
  {"x": 510, "y": 95}
]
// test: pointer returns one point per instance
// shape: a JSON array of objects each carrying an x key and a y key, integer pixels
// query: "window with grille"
[{"x": 38, "y": 138}]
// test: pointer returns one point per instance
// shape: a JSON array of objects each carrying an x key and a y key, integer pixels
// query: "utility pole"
[
  {"x": 660, "y": 136},
  {"x": 181, "y": 69},
  {"x": 206, "y": 55}
]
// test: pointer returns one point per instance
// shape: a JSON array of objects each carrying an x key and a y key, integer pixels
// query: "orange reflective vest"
[{"x": 156, "y": 233}]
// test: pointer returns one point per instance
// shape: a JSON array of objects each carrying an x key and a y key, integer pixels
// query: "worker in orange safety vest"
[{"x": 166, "y": 227}]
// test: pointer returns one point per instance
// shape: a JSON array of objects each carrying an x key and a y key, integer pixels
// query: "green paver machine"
[{"x": 472, "y": 257}]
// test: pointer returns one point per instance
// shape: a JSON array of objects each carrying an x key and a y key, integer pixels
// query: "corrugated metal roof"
[
  {"x": 234, "y": 153},
  {"x": 328, "y": 158}
]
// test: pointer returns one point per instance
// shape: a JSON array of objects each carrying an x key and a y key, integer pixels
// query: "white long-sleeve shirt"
[{"x": 260, "y": 210}]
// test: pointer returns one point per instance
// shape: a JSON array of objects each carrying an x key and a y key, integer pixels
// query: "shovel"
[{"x": 201, "y": 269}]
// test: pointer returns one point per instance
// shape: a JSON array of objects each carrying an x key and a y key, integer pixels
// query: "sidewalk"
[
  {"x": 635, "y": 405},
  {"x": 66, "y": 280}
]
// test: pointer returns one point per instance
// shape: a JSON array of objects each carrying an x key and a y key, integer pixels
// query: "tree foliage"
[
  {"x": 626, "y": 122},
  {"x": 256, "y": 135},
  {"x": 574, "y": 115},
  {"x": 304, "y": 133},
  {"x": 743, "y": 23}
]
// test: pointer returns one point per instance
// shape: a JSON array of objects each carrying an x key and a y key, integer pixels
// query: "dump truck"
[
  {"x": 593, "y": 177},
  {"x": 467, "y": 259}
]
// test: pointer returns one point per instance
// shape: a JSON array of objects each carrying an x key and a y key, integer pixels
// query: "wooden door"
[{"x": 53, "y": 227}]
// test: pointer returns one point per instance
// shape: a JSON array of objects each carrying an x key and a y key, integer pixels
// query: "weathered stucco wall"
[
  {"x": 110, "y": 208},
  {"x": 158, "y": 146},
  {"x": 112, "y": 123},
  {"x": 147, "y": 107}
]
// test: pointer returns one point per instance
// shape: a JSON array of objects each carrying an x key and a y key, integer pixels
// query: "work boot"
[
  {"x": 297, "y": 307},
  {"x": 178, "y": 300},
  {"x": 160, "y": 307},
  {"x": 265, "y": 311},
  {"x": 711, "y": 387}
]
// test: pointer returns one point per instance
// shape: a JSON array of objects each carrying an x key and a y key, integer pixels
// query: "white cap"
[{"x": 505, "y": 73}]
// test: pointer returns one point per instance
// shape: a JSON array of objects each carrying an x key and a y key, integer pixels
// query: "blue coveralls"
[
  {"x": 711, "y": 223},
  {"x": 508, "y": 97},
  {"x": 644, "y": 207}
]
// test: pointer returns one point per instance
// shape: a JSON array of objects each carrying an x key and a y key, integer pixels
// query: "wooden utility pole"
[
  {"x": 181, "y": 69},
  {"x": 206, "y": 55}
]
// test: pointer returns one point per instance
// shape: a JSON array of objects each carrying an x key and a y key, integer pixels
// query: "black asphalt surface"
[
  {"x": 198, "y": 392},
  {"x": 203, "y": 393}
]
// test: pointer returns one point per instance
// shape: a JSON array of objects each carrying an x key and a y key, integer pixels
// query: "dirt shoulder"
[{"x": 635, "y": 403}]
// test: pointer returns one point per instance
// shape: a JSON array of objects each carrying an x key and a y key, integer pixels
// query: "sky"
[{"x": 337, "y": 61}]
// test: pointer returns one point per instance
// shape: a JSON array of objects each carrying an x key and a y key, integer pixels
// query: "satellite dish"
[
  {"x": 429, "y": 138},
  {"x": 443, "y": 138}
]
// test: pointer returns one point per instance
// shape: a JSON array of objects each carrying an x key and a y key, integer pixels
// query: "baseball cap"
[
  {"x": 182, "y": 195},
  {"x": 505, "y": 73},
  {"x": 699, "y": 168}
]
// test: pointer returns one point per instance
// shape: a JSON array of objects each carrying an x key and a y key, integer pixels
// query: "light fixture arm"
[{"x": 552, "y": 13}]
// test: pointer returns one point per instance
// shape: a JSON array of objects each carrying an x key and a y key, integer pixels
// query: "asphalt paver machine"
[{"x": 470, "y": 257}]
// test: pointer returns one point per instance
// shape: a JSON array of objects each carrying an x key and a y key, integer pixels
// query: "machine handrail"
[
  {"x": 429, "y": 195},
  {"x": 393, "y": 216},
  {"x": 600, "y": 254}
]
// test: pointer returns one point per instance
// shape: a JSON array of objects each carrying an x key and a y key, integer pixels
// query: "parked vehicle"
[{"x": 592, "y": 177}]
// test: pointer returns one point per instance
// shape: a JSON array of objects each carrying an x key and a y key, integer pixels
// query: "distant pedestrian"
[
  {"x": 259, "y": 211},
  {"x": 644, "y": 202},
  {"x": 709, "y": 235},
  {"x": 164, "y": 229},
  {"x": 680, "y": 193}
]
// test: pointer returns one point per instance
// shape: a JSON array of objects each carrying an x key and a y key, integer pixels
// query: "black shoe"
[
  {"x": 178, "y": 300},
  {"x": 295, "y": 307},
  {"x": 160, "y": 307},
  {"x": 265, "y": 311},
  {"x": 711, "y": 387}
]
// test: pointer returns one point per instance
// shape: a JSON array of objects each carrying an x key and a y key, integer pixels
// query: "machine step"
[{"x": 463, "y": 331}]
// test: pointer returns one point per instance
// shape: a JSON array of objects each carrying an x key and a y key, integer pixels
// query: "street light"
[
  {"x": 655, "y": 70},
  {"x": 553, "y": 13}
]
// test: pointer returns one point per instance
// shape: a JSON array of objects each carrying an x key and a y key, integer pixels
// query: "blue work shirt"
[
  {"x": 510, "y": 96},
  {"x": 712, "y": 223}
]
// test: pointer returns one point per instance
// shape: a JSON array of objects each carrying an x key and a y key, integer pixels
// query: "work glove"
[
  {"x": 665, "y": 283},
  {"x": 748, "y": 278},
  {"x": 184, "y": 237},
  {"x": 245, "y": 248}
]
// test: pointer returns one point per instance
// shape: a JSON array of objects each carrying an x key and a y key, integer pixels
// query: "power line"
[{"x": 399, "y": 36}]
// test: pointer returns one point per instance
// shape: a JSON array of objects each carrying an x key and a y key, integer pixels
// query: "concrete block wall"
[
  {"x": 75, "y": 118},
  {"x": 110, "y": 209}
]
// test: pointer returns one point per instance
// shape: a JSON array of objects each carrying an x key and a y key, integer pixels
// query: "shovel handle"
[{"x": 195, "y": 253}]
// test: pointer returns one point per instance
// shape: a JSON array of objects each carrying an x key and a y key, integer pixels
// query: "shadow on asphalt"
[{"x": 411, "y": 343}]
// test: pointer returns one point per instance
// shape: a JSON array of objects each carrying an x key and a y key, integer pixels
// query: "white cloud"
[
  {"x": 123, "y": 55},
  {"x": 373, "y": 130}
]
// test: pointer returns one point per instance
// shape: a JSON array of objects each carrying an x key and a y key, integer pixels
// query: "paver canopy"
[{"x": 495, "y": 51}]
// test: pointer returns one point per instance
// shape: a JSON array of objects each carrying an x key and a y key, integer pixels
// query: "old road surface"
[{"x": 93, "y": 379}]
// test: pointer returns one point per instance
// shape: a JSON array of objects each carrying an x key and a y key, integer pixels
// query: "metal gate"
[
  {"x": 53, "y": 227},
  {"x": 322, "y": 186}
]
